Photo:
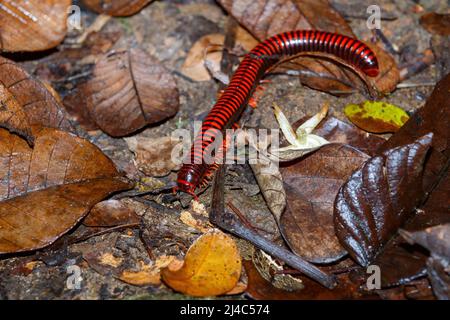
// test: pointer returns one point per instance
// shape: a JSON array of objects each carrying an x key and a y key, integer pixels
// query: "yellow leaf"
[
  {"x": 376, "y": 116},
  {"x": 212, "y": 267}
]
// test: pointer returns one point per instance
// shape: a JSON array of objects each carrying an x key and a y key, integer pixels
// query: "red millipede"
[{"x": 235, "y": 98}]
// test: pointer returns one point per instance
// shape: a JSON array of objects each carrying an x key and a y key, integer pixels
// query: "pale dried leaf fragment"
[
  {"x": 153, "y": 156},
  {"x": 302, "y": 141}
]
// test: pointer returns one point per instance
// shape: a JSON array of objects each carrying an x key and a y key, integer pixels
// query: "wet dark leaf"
[{"x": 378, "y": 199}]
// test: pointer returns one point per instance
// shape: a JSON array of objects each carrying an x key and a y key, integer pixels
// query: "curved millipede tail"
[{"x": 235, "y": 98}]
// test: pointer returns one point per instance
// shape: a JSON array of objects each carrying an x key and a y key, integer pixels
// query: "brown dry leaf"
[
  {"x": 378, "y": 198},
  {"x": 47, "y": 190},
  {"x": 267, "y": 18},
  {"x": 153, "y": 156},
  {"x": 311, "y": 186},
  {"x": 117, "y": 8},
  {"x": 12, "y": 116},
  {"x": 149, "y": 274},
  {"x": 32, "y": 25},
  {"x": 436, "y": 23},
  {"x": 110, "y": 213},
  {"x": 208, "y": 48},
  {"x": 212, "y": 266},
  {"x": 34, "y": 105},
  {"x": 128, "y": 90},
  {"x": 271, "y": 184}
]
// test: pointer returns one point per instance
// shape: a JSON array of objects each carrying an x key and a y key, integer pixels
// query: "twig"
[
  {"x": 227, "y": 221},
  {"x": 108, "y": 230}
]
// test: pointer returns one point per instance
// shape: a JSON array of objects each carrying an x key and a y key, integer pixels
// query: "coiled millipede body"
[{"x": 235, "y": 98}]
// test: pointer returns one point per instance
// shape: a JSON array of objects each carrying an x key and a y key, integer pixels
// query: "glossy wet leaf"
[
  {"x": 376, "y": 116},
  {"x": 378, "y": 198},
  {"x": 32, "y": 25},
  {"x": 116, "y": 7},
  {"x": 47, "y": 190},
  {"x": 311, "y": 185},
  {"x": 212, "y": 266}
]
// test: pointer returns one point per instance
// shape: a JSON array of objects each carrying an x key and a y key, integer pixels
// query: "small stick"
[
  {"x": 230, "y": 223},
  {"x": 108, "y": 230}
]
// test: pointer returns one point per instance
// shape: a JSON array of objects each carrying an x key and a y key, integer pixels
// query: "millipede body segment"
[{"x": 232, "y": 102}]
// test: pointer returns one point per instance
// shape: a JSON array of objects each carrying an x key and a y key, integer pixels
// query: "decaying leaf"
[
  {"x": 413, "y": 259},
  {"x": 110, "y": 213},
  {"x": 117, "y": 8},
  {"x": 188, "y": 219},
  {"x": 376, "y": 116},
  {"x": 31, "y": 105},
  {"x": 153, "y": 156},
  {"x": 260, "y": 289},
  {"x": 378, "y": 198},
  {"x": 270, "y": 182},
  {"x": 212, "y": 267},
  {"x": 132, "y": 86},
  {"x": 270, "y": 270},
  {"x": 207, "y": 48},
  {"x": 32, "y": 25},
  {"x": 311, "y": 186},
  {"x": 47, "y": 190},
  {"x": 436, "y": 23},
  {"x": 437, "y": 241},
  {"x": 267, "y": 18},
  {"x": 149, "y": 274}
]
